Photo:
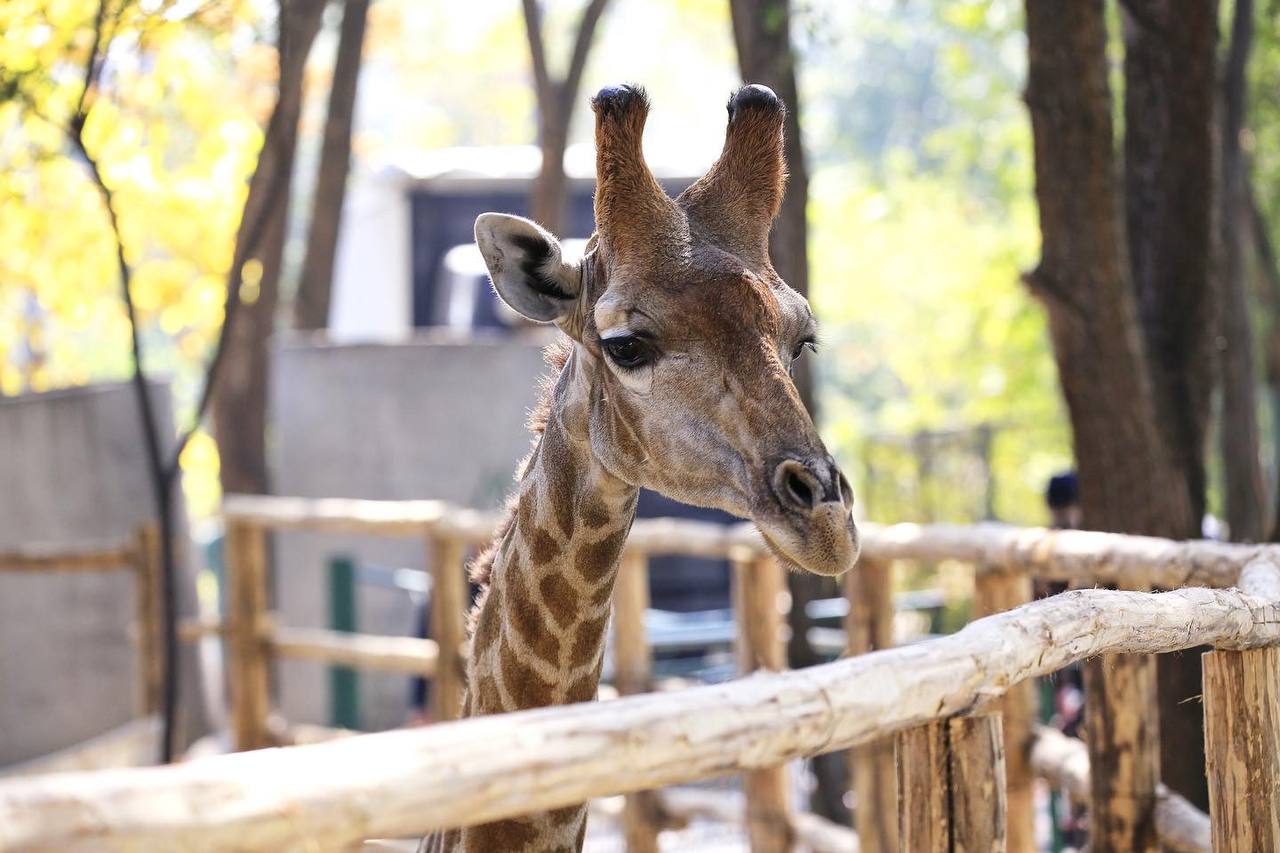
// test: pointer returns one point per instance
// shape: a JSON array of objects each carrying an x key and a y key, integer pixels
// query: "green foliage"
[
  {"x": 174, "y": 130},
  {"x": 927, "y": 327},
  {"x": 917, "y": 254},
  {"x": 922, "y": 216}
]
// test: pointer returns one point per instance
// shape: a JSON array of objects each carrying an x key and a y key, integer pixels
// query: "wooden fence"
[
  {"x": 956, "y": 709},
  {"x": 138, "y": 556}
]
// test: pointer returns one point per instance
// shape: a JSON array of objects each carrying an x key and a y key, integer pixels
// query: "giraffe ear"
[{"x": 527, "y": 269}]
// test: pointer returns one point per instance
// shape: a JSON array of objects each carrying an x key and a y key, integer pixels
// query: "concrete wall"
[
  {"x": 72, "y": 471},
  {"x": 434, "y": 417},
  {"x": 373, "y": 282}
]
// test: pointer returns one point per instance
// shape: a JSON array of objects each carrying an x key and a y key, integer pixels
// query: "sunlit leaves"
[
  {"x": 174, "y": 126},
  {"x": 938, "y": 339}
]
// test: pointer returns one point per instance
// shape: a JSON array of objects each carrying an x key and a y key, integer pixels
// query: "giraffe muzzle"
[{"x": 813, "y": 527}]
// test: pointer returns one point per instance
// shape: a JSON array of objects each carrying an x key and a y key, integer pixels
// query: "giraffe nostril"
[
  {"x": 796, "y": 486},
  {"x": 799, "y": 490}
]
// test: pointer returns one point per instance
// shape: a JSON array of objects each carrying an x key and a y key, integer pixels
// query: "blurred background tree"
[{"x": 936, "y": 382}]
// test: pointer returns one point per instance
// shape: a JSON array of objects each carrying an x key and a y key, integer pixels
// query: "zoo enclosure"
[
  {"x": 138, "y": 556},
  {"x": 932, "y": 698}
]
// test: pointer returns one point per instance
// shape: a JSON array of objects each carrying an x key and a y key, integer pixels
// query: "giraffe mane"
[{"x": 556, "y": 355}]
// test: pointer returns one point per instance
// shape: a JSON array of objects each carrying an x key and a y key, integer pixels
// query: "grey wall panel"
[
  {"x": 73, "y": 471},
  {"x": 429, "y": 418}
]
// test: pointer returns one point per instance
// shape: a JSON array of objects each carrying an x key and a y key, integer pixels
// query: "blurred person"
[{"x": 1066, "y": 711}]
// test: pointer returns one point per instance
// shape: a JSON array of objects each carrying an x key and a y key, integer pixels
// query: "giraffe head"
[{"x": 684, "y": 334}]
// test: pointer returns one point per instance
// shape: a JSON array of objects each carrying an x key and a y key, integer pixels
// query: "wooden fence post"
[
  {"x": 997, "y": 592},
  {"x": 951, "y": 786},
  {"x": 758, "y": 588},
  {"x": 245, "y": 549},
  {"x": 1123, "y": 736},
  {"x": 448, "y": 625},
  {"x": 149, "y": 632},
  {"x": 633, "y": 661},
  {"x": 1122, "y": 707},
  {"x": 869, "y": 627},
  {"x": 1242, "y": 748}
]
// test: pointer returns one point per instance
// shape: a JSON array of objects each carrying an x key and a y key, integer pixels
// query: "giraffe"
[{"x": 673, "y": 374}]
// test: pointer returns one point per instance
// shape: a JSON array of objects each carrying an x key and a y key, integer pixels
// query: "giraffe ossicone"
[{"x": 674, "y": 376}]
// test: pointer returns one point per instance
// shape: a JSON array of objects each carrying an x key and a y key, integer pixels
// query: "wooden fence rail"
[
  {"x": 1078, "y": 556},
  {"x": 138, "y": 556},
  {"x": 333, "y": 794},
  {"x": 1004, "y": 558},
  {"x": 472, "y": 771}
]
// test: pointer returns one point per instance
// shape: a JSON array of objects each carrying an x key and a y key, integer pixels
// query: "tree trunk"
[
  {"x": 555, "y": 110},
  {"x": 762, "y": 34},
  {"x": 1242, "y": 468},
  {"x": 311, "y": 307},
  {"x": 1268, "y": 270},
  {"x": 239, "y": 403},
  {"x": 1129, "y": 480},
  {"x": 549, "y": 196},
  {"x": 1126, "y": 482},
  {"x": 1170, "y": 158},
  {"x": 1169, "y": 163}
]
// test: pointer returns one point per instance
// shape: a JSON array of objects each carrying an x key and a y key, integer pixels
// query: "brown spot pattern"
[
  {"x": 595, "y": 514},
  {"x": 506, "y": 835},
  {"x": 565, "y": 814},
  {"x": 526, "y": 513},
  {"x": 542, "y": 548},
  {"x": 562, "y": 472},
  {"x": 595, "y": 560},
  {"x": 590, "y": 635},
  {"x": 602, "y": 595},
  {"x": 527, "y": 621},
  {"x": 560, "y": 599},
  {"x": 526, "y": 687},
  {"x": 584, "y": 689},
  {"x": 489, "y": 621}
]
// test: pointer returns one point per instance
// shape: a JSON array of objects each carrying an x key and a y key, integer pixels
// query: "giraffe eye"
[
  {"x": 807, "y": 344},
  {"x": 628, "y": 351}
]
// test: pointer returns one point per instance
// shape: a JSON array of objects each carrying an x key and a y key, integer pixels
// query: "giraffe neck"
[{"x": 539, "y": 635}]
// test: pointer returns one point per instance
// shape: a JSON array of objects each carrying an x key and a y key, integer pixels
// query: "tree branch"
[
  {"x": 244, "y": 251},
  {"x": 92, "y": 68},
  {"x": 161, "y": 481},
  {"x": 581, "y": 47},
  {"x": 543, "y": 85},
  {"x": 1263, "y": 246}
]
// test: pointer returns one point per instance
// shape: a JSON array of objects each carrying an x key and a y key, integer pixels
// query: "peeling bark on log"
[
  {"x": 149, "y": 618},
  {"x": 869, "y": 627},
  {"x": 246, "y": 555},
  {"x": 951, "y": 786},
  {"x": 633, "y": 675},
  {"x": 402, "y": 783},
  {"x": 1064, "y": 763},
  {"x": 1079, "y": 556},
  {"x": 997, "y": 593},
  {"x": 448, "y": 625},
  {"x": 410, "y": 655},
  {"x": 101, "y": 558},
  {"x": 1123, "y": 735},
  {"x": 1242, "y": 744},
  {"x": 758, "y": 587}
]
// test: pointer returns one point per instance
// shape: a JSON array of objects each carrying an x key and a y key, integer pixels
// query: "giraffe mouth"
[
  {"x": 783, "y": 558},
  {"x": 821, "y": 550}
]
